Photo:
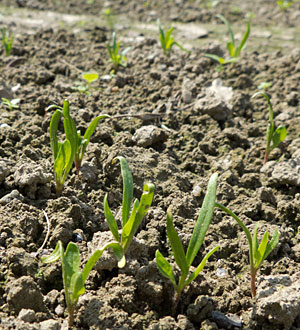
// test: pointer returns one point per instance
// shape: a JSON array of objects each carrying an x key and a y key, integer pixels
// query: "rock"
[
  {"x": 24, "y": 293},
  {"x": 50, "y": 325},
  {"x": 278, "y": 301},
  {"x": 226, "y": 321},
  {"x": 216, "y": 101},
  {"x": 30, "y": 175},
  {"x": 4, "y": 169},
  {"x": 283, "y": 173},
  {"x": 236, "y": 137},
  {"x": 89, "y": 171},
  {"x": 27, "y": 315},
  {"x": 200, "y": 310},
  {"x": 147, "y": 136},
  {"x": 11, "y": 196}
]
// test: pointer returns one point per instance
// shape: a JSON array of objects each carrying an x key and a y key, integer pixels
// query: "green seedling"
[
  {"x": 274, "y": 135},
  {"x": 167, "y": 40},
  {"x": 130, "y": 222},
  {"x": 7, "y": 40},
  {"x": 73, "y": 148},
  {"x": 264, "y": 85},
  {"x": 234, "y": 51},
  {"x": 73, "y": 278},
  {"x": 10, "y": 104},
  {"x": 115, "y": 57},
  {"x": 284, "y": 4},
  {"x": 184, "y": 261},
  {"x": 257, "y": 253},
  {"x": 89, "y": 78}
]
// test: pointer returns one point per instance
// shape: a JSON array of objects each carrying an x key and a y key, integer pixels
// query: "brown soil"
[{"x": 191, "y": 138}]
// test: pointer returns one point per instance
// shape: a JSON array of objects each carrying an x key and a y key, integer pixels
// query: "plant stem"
[
  {"x": 175, "y": 302},
  {"x": 253, "y": 286},
  {"x": 71, "y": 315},
  {"x": 266, "y": 155}
]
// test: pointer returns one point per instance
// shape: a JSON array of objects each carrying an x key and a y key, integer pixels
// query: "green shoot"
[
  {"x": 184, "y": 260},
  {"x": 234, "y": 51},
  {"x": 63, "y": 152},
  {"x": 130, "y": 222},
  {"x": 257, "y": 253},
  {"x": 73, "y": 278},
  {"x": 89, "y": 77},
  {"x": 264, "y": 85},
  {"x": 11, "y": 104},
  {"x": 284, "y": 4},
  {"x": 167, "y": 40},
  {"x": 7, "y": 40},
  {"x": 116, "y": 58},
  {"x": 73, "y": 148},
  {"x": 274, "y": 135}
]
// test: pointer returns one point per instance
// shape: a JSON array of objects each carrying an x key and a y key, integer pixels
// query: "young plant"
[
  {"x": 284, "y": 4},
  {"x": 89, "y": 77},
  {"x": 10, "y": 104},
  {"x": 167, "y": 40},
  {"x": 234, "y": 51},
  {"x": 7, "y": 40},
  {"x": 73, "y": 278},
  {"x": 257, "y": 253},
  {"x": 274, "y": 135},
  {"x": 116, "y": 58},
  {"x": 130, "y": 222},
  {"x": 74, "y": 148},
  {"x": 184, "y": 260}
]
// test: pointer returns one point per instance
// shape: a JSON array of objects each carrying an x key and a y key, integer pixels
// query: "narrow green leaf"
[
  {"x": 118, "y": 252},
  {"x": 224, "y": 20},
  {"x": 201, "y": 266},
  {"x": 136, "y": 218},
  {"x": 112, "y": 224},
  {"x": 176, "y": 245},
  {"x": 76, "y": 287},
  {"x": 215, "y": 57},
  {"x": 231, "y": 49},
  {"x": 255, "y": 244},
  {"x": 55, "y": 255},
  {"x": 165, "y": 268},
  {"x": 278, "y": 136},
  {"x": 53, "y": 132},
  {"x": 272, "y": 244},
  {"x": 243, "y": 42},
  {"x": 63, "y": 159},
  {"x": 127, "y": 188},
  {"x": 89, "y": 132},
  {"x": 181, "y": 47},
  {"x": 262, "y": 249},
  {"x": 72, "y": 261},
  {"x": 203, "y": 220},
  {"x": 70, "y": 127}
]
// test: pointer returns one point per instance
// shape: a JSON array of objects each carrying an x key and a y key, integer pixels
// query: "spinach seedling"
[
  {"x": 10, "y": 104},
  {"x": 73, "y": 278},
  {"x": 284, "y": 4},
  {"x": 115, "y": 57},
  {"x": 78, "y": 143},
  {"x": 233, "y": 50},
  {"x": 89, "y": 77},
  {"x": 7, "y": 40},
  {"x": 184, "y": 261},
  {"x": 130, "y": 222},
  {"x": 257, "y": 253},
  {"x": 167, "y": 40},
  {"x": 274, "y": 135}
]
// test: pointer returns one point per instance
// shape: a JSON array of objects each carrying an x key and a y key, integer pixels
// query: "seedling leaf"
[
  {"x": 278, "y": 136},
  {"x": 165, "y": 268},
  {"x": 112, "y": 224}
]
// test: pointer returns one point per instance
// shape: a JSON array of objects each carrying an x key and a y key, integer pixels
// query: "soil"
[{"x": 187, "y": 121}]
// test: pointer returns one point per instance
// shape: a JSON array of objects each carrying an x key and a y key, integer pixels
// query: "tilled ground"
[{"x": 187, "y": 121}]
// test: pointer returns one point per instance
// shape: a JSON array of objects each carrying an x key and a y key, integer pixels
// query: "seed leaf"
[
  {"x": 165, "y": 268},
  {"x": 278, "y": 136},
  {"x": 261, "y": 249},
  {"x": 203, "y": 220},
  {"x": 76, "y": 286},
  {"x": 112, "y": 224},
  {"x": 176, "y": 245}
]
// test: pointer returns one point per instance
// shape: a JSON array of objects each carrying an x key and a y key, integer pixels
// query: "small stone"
[
  {"x": 50, "y": 325},
  {"x": 27, "y": 315},
  {"x": 11, "y": 196},
  {"x": 149, "y": 135},
  {"x": 229, "y": 321}
]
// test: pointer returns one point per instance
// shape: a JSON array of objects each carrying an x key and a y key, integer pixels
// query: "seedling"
[
  {"x": 264, "y": 85},
  {"x": 73, "y": 148},
  {"x": 167, "y": 40},
  {"x": 257, "y": 253},
  {"x": 233, "y": 50},
  {"x": 73, "y": 278},
  {"x": 89, "y": 78},
  {"x": 11, "y": 104},
  {"x": 274, "y": 135},
  {"x": 116, "y": 58},
  {"x": 7, "y": 40},
  {"x": 284, "y": 4},
  {"x": 184, "y": 261},
  {"x": 130, "y": 223}
]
